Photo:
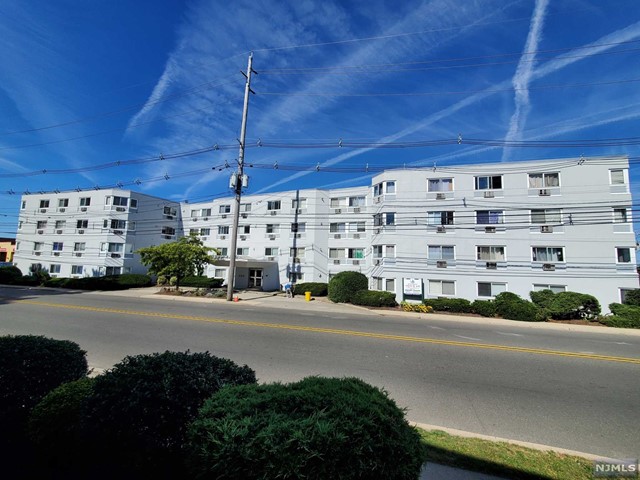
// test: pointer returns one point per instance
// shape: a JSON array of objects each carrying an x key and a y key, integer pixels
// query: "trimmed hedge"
[
  {"x": 486, "y": 308},
  {"x": 9, "y": 275},
  {"x": 632, "y": 297},
  {"x": 374, "y": 298},
  {"x": 453, "y": 305},
  {"x": 512, "y": 307},
  {"x": 201, "y": 282},
  {"x": 111, "y": 282},
  {"x": 542, "y": 298},
  {"x": 317, "y": 289},
  {"x": 624, "y": 316},
  {"x": 573, "y": 305},
  {"x": 344, "y": 285},
  {"x": 138, "y": 413},
  {"x": 27, "y": 281},
  {"x": 30, "y": 367},
  {"x": 317, "y": 428}
]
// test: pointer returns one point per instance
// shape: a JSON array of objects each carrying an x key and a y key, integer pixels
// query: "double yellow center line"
[{"x": 334, "y": 331}]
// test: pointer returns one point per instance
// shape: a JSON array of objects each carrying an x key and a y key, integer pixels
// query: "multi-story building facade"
[{"x": 470, "y": 231}]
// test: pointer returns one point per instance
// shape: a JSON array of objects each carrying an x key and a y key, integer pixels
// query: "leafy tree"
[{"x": 180, "y": 259}]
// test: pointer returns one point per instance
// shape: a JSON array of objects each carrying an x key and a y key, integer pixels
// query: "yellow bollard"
[{"x": 307, "y": 296}]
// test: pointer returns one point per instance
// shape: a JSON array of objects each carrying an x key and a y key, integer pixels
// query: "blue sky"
[{"x": 89, "y": 84}]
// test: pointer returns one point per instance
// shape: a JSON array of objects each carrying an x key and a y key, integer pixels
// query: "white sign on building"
[{"x": 413, "y": 286}]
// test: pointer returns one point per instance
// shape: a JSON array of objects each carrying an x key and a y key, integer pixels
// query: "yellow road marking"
[{"x": 333, "y": 331}]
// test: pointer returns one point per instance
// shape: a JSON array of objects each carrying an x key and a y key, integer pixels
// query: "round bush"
[
  {"x": 512, "y": 307},
  {"x": 632, "y": 297},
  {"x": 139, "y": 410},
  {"x": 30, "y": 367},
  {"x": 486, "y": 308},
  {"x": 316, "y": 428},
  {"x": 453, "y": 305},
  {"x": 573, "y": 305},
  {"x": 344, "y": 285},
  {"x": 542, "y": 298},
  {"x": 374, "y": 298},
  {"x": 10, "y": 274},
  {"x": 317, "y": 289},
  {"x": 55, "y": 427}
]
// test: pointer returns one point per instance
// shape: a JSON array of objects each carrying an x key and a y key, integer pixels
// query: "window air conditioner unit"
[
  {"x": 40, "y": 232},
  {"x": 299, "y": 210},
  {"x": 336, "y": 261},
  {"x": 296, "y": 260},
  {"x": 37, "y": 253},
  {"x": 120, "y": 209},
  {"x": 56, "y": 254},
  {"x": 78, "y": 254},
  {"x": 194, "y": 219},
  {"x": 544, "y": 192},
  {"x": 244, "y": 215},
  {"x": 356, "y": 262},
  {"x": 356, "y": 235},
  {"x": 243, "y": 237},
  {"x": 118, "y": 232},
  {"x": 169, "y": 217},
  {"x": 204, "y": 238},
  {"x": 168, "y": 237},
  {"x": 489, "y": 195},
  {"x": 271, "y": 259},
  {"x": 440, "y": 196},
  {"x": 83, "y": 209},
  {"x": 548, "y": 267},
  {"x": 441, "y": 229},
  {"x": 298, "y": 235},
  {"x": 207, "y": 218},
  {"x": 546, "y": 229},
  {"x": 492, "y": 265},
  {"x": 337, "y": 210},
  {"x": 356, "y": 210},
  {"x": 115, "y": 255},
  {"x": 337, "y": 236},
  {"x": 273, "y": 212},
  {"x": 490, "y": 229},
  {"x": 80, "y": 232},
  {"x": 62, "y": 209},
  {"x": 441, "y": 264},
  {"x": 43, "y": 210},
  {"x": 223, "y": 237},
  {"x": 58, "y": 232},
  {"x": 272, "y": 237}
]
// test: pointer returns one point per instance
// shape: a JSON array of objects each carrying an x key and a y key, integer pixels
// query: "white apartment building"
[{"x": 467, "y": 231}]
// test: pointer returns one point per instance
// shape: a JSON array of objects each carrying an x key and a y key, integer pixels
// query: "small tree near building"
[{"x": 186, "y": 257}]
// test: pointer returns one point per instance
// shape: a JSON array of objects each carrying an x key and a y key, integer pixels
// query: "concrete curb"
[{"x": 533, "y": 446}]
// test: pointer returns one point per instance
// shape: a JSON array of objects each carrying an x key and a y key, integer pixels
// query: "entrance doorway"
[{"x": 255, "y": 277}]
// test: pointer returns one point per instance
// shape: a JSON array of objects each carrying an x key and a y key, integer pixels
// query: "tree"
[{"x": 178, "y": 259}]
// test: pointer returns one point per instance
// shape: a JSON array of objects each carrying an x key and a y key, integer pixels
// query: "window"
[
  {"x": 337, "y": 227},
  {"x": 491, "y": 254},
  {"x": 168, "y": 231},
  {"x": 57, "y": 246},
  {"x": 296, "y": 252},
  {"x": 298, "y": 227},
  {"x": 271, "y": 252},
  {"x": 205, "y": 232},
  {"x": 358, "y": 227},
  {"x": 82, "y": 224},
  {"x": 195, "y": 213},
  {"x": 489, "y": 182},
  {"x": 79, "y": 247},
  {"x": 23, "y": 205},
  {"x": 335, "y": 202},
  {"x": 115, "y": 224},
  {"x": 390, "y": 285},
  {"x": 243, "y": 251},
  {"x": 357, "y": 201},
  {"x": 440, "y": 185},
  {"x": 113, "y": 271},
  {"x": 548, "y": 215},
  {"x": 272, "y": 228},
  {"x": 120, "y": 201},
  {"x": 168, "y": 210},
  {"x": 620, "y": 215},
  {"x": 554, "y": 288},
  {"x": 390, "y": 218},
  {"x": 42, "y": 224},
  {"x": 60, "y": 224},
  {"x": 548, "y": 254},
  {"x": 20, "y": 225},
  {"x": 390, "y": 187},
  {"x": 224, "y": 252},
  {"x": 380, "y": 219},
  {"x": 336, "y": 253},
  {"x": 223, "y": 229},
  {"x": 63, "y": 202},
  {"x": 391, "y": 251},
  {"x": 617, "y": 177},
  {"x": 442, "y": 287},
  {"x": 44, "y": 203},
  {"x": 489, "y": 289},
  {"x": 245, "y": 229},
  {"x": 115, "y": 247},
  {"x": 134, "y": 203},
  {"x": 623, "y": 255},
  {"x": 441, "y": 252},
  {"x": 37, "y": 246},
  {"x": 440, "y": 218},
  {"x": 76, "y": 269},
  {"x": 356, "y": 253},
  {"x": 132, "y": 225},
  {"x": 300, "y": 203},
  {"x": 194, "y": 231},
  {"x": 377, "y": 283},
  {"x": 220, "y": 272},
  {"x": 544, "y": 180},
  {"x": 245, "y": 207},
  {"x": 85, "y": 201},
  {"x": 54, "y": 268},
  {"x": 273, "y": 205},
  {"x": 377, "y": 190},
  {"x": 489, "y": 217},
  {"x": 377, "y": 250},
  {"x": 221, "y": 209}
]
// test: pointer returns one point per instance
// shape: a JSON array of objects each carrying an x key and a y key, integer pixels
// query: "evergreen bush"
[
  {"x": 542, "y": 298},
  {"x": 573, "y": 305},
  {"x": 344, "y": 285},
  {"x": 138, "y": 412},
  {"x": 317, "y": 428},
  {"x": 453, "y": 305},
  {"x": 9, "y": 275},
  {"x": 374, "y": 298},
  {"x": 624, "y": 316},
  {"x": 632, "y": 297},
  {"x": 317, "y": 289},
  {"x": 486, "y": 308},
  {"x": 201, "y": 282},
  {"x": 512, "y": 307}
]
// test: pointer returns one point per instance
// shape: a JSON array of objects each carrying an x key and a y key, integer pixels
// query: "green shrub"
[
  {"x": 30, "y": 367},
  {"x": 110, "y": 282},
  {"x": 162, "y": 280},
  {"x": 624, "y": 316},
  {"x": 542, "y": 298},
  {"x": 317, "y": 428},
  {"x": 317, "y": 289},
  {"x": 138, "y": 413},
  {"x": 374, "y": 298},
  {"x": 56, "y": 282},
  {"x": 201, "y": 282},
  {"x": 512, "y": 307},
  {"x": 453, "y": 305},
  {"x": 9, "y": 275},
  {"x": 632, "y": 297},
  {"x": 27, "y": 281},
  {"x": 133, "y": 280},
  {"x": 55, "y": 428},
  {"x": 173, "y": 281},
  {"x": 344, "y": 285},
  {"x": 486, "y": 308},
  {"x": 573, "y": 305}
]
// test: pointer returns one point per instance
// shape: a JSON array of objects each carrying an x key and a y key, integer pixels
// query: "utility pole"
[{"x": 238, "y": 180}]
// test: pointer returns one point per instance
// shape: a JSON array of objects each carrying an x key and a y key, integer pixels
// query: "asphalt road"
[{"x": 574, "y": 390}]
